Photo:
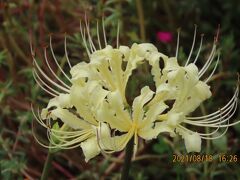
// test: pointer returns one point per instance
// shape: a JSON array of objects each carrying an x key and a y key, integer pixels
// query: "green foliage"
[
  {"x": 5, "y": 89},
  {"x": 2, "y": 57},
  {"x": 221, "y": 143},
  {"x": 161, "y": 147},
  {"x": 10, "y": 167}
]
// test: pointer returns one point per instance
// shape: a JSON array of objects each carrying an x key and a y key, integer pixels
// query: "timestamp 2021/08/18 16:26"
[{"x": 199, "y": 158}]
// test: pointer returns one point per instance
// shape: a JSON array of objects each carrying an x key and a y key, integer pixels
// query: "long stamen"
[
  {"x": 39, "y": 142},
  {"x": 214, "y": 118},
  {"x": 118, "y": 28},
  {"x": 214, "y": 69},
  {"x": 206, "y": 134},
  {"x": 55, "y": 59},
  {"x": 34, "y": 72},
  {"x": 59, "y": 135},
  {"x": 209, "y": 61},
  {"x": 201, "y": 134},
  {"x": 223, "y": 109},
  {"x": 193, "y": 44},
  {"x": 211, "y": 138},
  {"x": 104, "y": 32},
  {"x": 38, "y": 117},
  {"x": 178, "y": 37},
  {"x": 82, "y": 31},
  {"x": 53, "y": 73},
  {"x": 63, "y": 144},
  {"x": 35, "y": 137},
  {"x": 206, "y": 66},
  {"x": 86, "y": 27},
  {"x": 39, "y": 120},
  {"x": 65, "y": 134},
  {"x": 66, "y": 52},
  {"x": 37, "y": 79},
  {"x": 214, "y": 132},
  {"x": 47, "y": 78},
  {"x": 99, "y": 42},
  {"x": 213, "y": 124},
  {"x": 92, "y": 46},
  {"x": 69, "y": 144},
  {"x": 199, "y": 49},
  {"x": 233, "y": 106}
]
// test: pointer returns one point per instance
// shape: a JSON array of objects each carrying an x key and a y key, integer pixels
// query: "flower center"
[{"x": 135, "y": 126}]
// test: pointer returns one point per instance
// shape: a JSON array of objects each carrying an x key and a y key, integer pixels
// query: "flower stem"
[
  {"x": 205, "y": 166},
  {"x": 166, "y": 6},
  {"x": 141, "y": 19},
  {"x": 127, "y": 160},
  {"x": 47, "y": 165}
]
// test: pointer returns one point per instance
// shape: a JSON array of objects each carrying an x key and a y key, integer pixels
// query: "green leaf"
[
  {"x": 237, "y": 128},
  {"x": 161, "y": 147},
  {"x": 221, "y": 143},
  {"x": 2, "y": 56},
  {"x": 55, "y": 139}
]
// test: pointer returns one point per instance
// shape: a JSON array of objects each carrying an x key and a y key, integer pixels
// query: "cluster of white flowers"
[{"x": 95, "y": 114}]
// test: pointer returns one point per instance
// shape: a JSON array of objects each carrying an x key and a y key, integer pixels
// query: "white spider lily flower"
[
  {"x": 139, "y": 123},
  {"x": 189, "y": 93},
  {"x": 95, "y": 113},
  {"x": 181, "y": 84},
  {"x": 106, "y": 65},
  {"x": 77, "y": 111},
  {"x": 73, "y": 103},
  {"x": 79, "y": 126},
  {"x": 192, "y": 92}
]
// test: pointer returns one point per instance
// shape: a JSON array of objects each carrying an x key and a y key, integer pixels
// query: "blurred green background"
[{"x": 22, "y": 157}]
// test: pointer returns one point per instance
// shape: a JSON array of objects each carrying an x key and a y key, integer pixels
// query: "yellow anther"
[{"x": 163, "y": 117}]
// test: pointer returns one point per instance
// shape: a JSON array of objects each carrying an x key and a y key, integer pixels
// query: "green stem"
[
  {"x": 127, "y": 160},
  {"x": 141, "y": 22},
  {"x": 47, "y": 165},
  {"x": 141, "y": 19},
  {"x": 205, "y": 166},
  {"x": 166, "y": 5},
  {"x": 12, "y": 41}
]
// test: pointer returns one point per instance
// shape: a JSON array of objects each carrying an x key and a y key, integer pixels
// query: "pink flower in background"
[{"x": 164, "y": 36}]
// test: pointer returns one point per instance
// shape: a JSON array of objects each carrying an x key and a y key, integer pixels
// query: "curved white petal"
[
  {"x": 104, "y": 135},
  {"x": 151, "y": 115},
  {"x": 197, "y": 95},
  {"x": 61, "y": 101},
  {"x": 108, "y": 114},
  {"x": 70, "y": 119},
  {"x": 125, "y": 50},
  {"x": 113, "y": 143},
  {"x": 192, "y": 142},
  {"x": 139, "y": 102},
  {"x": 150, "y": 132},
  {"x": 87, "y": 99},
  {"x": 164, "y": 92},
  {"x": 116, "y": 103},
  {"x": 90, "y": 148},
  {"x": 173, "y": 119}
]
